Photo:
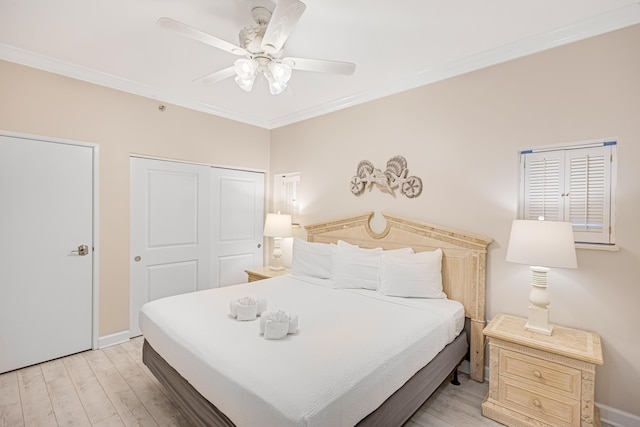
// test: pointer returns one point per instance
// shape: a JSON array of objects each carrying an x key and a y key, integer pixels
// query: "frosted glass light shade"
[
  {"x": 277, "y": 225},
  {"x": 280, "y": 72},
  {"x": 278, "y": 75},
  {"x": 245, "y": 84},
  {"x": 246, "y": 70}
]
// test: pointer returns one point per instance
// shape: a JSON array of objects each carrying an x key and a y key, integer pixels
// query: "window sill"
[{"x": 598, "y": 247}]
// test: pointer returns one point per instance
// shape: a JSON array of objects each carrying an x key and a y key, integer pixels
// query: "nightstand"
[
  {"x": 539, "y": 380},
  {"x": 260, "y": 273}
]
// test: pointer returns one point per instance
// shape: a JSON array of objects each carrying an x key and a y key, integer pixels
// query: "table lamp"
[
  {"x": 278, "y": 226},
  {"x": 541, "y": 244}
]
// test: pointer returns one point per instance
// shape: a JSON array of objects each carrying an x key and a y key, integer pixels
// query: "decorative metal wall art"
[{"x": 393, "y": 177}]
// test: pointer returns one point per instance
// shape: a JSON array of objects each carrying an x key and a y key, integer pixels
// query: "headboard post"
[{"x": 463, "y": 266}]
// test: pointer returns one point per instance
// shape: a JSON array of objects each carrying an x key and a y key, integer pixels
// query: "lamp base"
[
  {"x": 276, "y": 263},
  {"x": 538, "y": 302},
  {"x": 538, "y": 329}
]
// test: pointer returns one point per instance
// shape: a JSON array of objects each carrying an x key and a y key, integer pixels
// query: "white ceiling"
[{"x": 396, "y": 45}]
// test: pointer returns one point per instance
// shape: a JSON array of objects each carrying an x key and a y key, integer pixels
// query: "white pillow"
[
  {"x": 412, "y": 275},
  {"x": 345, "y": 245},
  {"x": 400, "y": 251},
  {"x": 355, "y": 267},
  {"x": 311, "y": 259}
]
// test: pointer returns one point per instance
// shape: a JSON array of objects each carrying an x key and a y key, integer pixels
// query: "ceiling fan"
[{"x": 261, "y": 46}]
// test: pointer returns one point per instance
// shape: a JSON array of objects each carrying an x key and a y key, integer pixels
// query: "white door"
[
  {"x": 170, "y": 212},
  {"x": 46, "y": 212},
  {"x": 236, "y": 230}
]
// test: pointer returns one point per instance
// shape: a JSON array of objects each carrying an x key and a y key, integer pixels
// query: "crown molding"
[
  {"x": 74, "y": 71},
  {"x": 614, "y": 20}
]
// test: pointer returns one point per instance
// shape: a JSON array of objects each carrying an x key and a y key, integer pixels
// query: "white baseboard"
[
  {"x": 617, "y": 418},
  {"x": 113, "y": 339}
]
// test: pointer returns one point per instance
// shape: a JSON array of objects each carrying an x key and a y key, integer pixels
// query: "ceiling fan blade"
[
  {"x": 320, "y": 65},
  {"x": 284, "y": 18},
  {"x": 216, "y": 76},
  {"x": 193, "y": 33}
]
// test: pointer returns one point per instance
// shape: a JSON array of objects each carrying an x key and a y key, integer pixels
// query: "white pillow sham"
[
  {"x": 356, "y": 267},
  {"x": 416, "y": 275},
  {"x": 312, "y": 259},
  {"x": 345, "y": 245}
]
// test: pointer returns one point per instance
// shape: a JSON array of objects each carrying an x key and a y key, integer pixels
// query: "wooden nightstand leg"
[{"x": 588, "y": 413}]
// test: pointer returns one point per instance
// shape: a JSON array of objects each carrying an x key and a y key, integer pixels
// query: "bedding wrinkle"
[{"x": 325, "y": 379}]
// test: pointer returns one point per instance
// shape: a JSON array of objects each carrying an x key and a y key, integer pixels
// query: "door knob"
[{"x": 82, "y": 250}]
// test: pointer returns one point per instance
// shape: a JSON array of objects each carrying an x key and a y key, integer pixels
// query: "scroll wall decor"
[{"x": 393, "y": 177}]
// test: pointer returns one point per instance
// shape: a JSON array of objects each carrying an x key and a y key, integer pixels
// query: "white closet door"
[
  {"x": 170, "y": 217},
  {"x": 237, "y": 224},
  {"x": 46, "y": 290}
]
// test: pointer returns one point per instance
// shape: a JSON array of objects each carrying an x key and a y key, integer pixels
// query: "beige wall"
[
  {"x": 41, "y": 103},
  {"x": 462, "y": 136}
]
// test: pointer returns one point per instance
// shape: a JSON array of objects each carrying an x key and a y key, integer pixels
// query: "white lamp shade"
[
  {"x": 277, "y": 225},
  {"x": 542, "y": 243}
]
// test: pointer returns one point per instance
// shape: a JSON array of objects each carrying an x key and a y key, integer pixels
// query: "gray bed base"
[{"x": 395, "y": 411}]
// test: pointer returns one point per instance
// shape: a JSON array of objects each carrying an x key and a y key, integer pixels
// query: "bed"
[{"x": 359, "y": 357}]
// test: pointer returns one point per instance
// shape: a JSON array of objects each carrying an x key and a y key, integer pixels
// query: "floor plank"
[
  {"x": 94, "y": 400},
  {"x": 10, "y": 406},
  {"x": 128, "y": 406},
  {"x": 36, "y": 404}
]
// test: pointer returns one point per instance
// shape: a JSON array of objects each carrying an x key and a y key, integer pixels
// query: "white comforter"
[{"x": 354, "y": 348}]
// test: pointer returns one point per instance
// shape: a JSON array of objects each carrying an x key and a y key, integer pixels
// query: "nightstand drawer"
[
  {"x": 554, "y": 410},
  {"x": 557, "y": 378}
]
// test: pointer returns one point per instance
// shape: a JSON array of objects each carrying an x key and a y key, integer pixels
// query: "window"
[
  {"x": 285, "y": 195},
  {"x": 573, "y": 183}
]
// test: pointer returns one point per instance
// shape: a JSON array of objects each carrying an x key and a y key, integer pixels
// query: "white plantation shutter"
[
  {"x": 544, "y": 180},
  {"x": 589, "y": 193},
  {"x": 571, "y": 184}
]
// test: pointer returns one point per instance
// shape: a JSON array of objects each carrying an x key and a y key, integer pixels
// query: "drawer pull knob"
[
  {"x": 537, "y": 403},
  {"x": 537, "y": 374}
]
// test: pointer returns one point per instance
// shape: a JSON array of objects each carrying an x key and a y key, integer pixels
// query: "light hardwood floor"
[{"x": 112, "y": 387}]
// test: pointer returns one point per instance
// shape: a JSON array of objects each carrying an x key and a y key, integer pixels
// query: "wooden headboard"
[{"x": 463, "y": 265}]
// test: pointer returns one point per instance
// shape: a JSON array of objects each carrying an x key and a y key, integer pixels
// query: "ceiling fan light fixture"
[
  {"x": 245, "y": 84},
  {"x": 280, "y": 71},
  {"x": 246, "y": 70},
  {"x": 262, "y": 47},
  {"x": 276, "y": 87},
  {"x": 278, "y": 74}
]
